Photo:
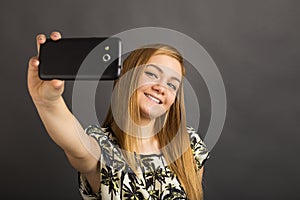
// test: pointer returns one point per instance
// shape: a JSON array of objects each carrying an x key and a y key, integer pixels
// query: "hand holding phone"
[{"x": 43, "y": 92}]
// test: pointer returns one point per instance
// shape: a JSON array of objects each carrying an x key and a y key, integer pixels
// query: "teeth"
[{"x": 153, "y": 99}]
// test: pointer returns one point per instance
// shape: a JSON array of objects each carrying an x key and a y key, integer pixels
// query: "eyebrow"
[{"x": 160, "y": 70}]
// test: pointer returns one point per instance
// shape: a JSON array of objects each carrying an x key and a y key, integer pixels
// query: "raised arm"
[{"x": 82, "y": 150}]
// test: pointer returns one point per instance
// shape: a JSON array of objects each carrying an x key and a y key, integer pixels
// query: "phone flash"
[{"x": 106, "y": 48}]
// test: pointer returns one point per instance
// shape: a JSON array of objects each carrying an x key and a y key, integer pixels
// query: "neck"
[
  {"x": 146, "y": 141},
  {"x": 147, "y": 129}
]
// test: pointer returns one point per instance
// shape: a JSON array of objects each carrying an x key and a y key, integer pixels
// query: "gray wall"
[{"x": 255, "y": 44}]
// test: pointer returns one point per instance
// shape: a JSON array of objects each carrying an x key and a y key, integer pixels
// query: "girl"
[{"x": 144, "y": 150}]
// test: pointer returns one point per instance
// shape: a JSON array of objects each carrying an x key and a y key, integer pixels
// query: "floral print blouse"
[{"x": 118, "y": 181}]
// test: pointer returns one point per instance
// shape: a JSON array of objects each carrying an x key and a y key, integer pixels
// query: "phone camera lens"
[{"x": 106, "y": 57}]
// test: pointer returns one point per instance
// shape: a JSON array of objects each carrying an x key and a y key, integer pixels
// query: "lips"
[{"x": 152, "y": 98}]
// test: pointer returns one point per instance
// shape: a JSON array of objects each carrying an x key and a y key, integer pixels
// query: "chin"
[{"x": 152, "y": 113}]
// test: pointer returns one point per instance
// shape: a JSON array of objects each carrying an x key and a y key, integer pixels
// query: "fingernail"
[
  {"x": 55, "y": 34},
  {"x": 36, "y": 62}
]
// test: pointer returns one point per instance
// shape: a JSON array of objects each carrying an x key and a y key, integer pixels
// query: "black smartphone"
[{"x": 81, "y": 59}]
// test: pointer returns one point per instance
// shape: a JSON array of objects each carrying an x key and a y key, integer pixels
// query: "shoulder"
[
  {"x": 107, "y": 142},
  {"x": 199, "y": 149},
  {"x": 100, "y": 134}
]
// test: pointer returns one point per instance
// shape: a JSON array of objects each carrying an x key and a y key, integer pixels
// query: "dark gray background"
[{"x": 255, "y": 44}]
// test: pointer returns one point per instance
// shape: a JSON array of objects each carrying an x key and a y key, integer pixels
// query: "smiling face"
[{"x": 158, "y": 85}]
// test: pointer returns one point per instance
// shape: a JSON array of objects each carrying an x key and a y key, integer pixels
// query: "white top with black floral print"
[{"x": 118, "y": 181}]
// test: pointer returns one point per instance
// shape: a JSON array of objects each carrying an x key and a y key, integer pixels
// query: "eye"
[
  {"x": 172, "y": 86},
  {"x": 151, "y": 75}
]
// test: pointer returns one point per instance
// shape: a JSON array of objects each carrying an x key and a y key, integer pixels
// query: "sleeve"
[
  {"x": 200, "y": 151},
  {"x": 86, "y": 190},
  {"x": 84, "y": 186}
]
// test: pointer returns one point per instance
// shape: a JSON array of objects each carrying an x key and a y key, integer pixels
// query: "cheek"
[
  {"x": 140, "y": 90},
  {"x": 171, "y": 100}
]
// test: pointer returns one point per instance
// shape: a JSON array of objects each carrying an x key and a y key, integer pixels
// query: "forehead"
[{"x": 167, "y": 62}]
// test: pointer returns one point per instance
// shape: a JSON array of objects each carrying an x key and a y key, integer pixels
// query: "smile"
[{"x": 152, "y": 98}]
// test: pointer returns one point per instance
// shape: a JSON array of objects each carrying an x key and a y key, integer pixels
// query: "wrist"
[{"x": 49, "y": 104}]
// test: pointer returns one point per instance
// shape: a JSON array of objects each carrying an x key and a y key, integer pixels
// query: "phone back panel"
[{"x": 80, "y": 59}]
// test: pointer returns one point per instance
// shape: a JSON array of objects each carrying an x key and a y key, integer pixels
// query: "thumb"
[{"x": 57, "y": 84}]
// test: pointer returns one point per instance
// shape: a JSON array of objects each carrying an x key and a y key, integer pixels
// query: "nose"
[{"x": 159, "y": 88}]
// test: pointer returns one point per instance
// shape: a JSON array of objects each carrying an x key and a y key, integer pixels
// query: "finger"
[
  {"x": 57, "y": 84},
  {"x": 53, "y": 90},
  {"x": 33, "y": 64},
  {"x": 55, "y": 35},
  {"x": 40, "y": 39},
  {"x": 33, "y": 75}
]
